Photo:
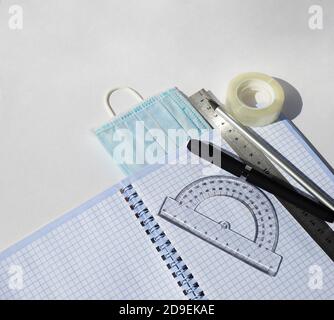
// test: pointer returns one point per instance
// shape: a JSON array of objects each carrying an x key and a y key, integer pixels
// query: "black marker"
[{"x": 279, "y": 188}]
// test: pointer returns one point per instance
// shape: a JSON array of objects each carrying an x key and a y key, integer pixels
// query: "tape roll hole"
[{"x": 255, "y": 93}]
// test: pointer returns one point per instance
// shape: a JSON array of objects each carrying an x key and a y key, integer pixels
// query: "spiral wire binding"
[{"x": 168, "y": 253}]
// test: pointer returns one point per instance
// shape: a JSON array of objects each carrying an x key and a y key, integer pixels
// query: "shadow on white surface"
[{"x": 293, "y": 103}]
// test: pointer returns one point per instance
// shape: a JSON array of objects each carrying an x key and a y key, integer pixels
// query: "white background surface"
[{"x": 55, "y": 72}]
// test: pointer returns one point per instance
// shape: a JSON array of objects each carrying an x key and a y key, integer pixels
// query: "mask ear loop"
[
  {"x": 132, "y": 91},
  {"x": 111, "y": 110}
]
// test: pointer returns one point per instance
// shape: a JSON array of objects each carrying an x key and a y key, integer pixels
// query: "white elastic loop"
[{"x": 132, "y": 91}]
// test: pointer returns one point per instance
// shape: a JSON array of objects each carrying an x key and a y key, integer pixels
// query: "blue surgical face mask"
[{"x": 149, "y": 132}]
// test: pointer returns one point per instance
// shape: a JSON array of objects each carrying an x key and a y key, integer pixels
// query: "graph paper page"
[
  {"x": 98, "y": 251},
  {"x": 305, "y": 271}
]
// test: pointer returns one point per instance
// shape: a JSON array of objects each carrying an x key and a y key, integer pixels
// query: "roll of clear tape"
[{"x": 255, "y": 99}]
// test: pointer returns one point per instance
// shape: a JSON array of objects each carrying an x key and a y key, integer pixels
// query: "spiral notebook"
[
  {"x": 109, "y": 248},
  {"x": 133, "y": 241}
]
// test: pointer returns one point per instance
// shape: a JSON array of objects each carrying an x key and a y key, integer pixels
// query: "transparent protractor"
[{"x": 253, "y": 199}]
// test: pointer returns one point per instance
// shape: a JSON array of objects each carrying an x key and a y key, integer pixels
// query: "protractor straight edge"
[
  {"x": 319, "y": 230},
  {"x": 254, "y": 242}
]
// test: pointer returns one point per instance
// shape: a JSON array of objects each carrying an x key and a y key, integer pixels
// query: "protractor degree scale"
[{"x": 188, "y": 212}]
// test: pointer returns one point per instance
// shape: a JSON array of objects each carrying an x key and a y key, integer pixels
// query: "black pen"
[{"x": 279, "y": 188}]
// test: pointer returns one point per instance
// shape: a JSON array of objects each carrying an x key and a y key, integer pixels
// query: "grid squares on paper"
[
  {"x": 223, "y": 276},
  {"x": 101, "y": 253},
  {"x": 283, "y": 137}
]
